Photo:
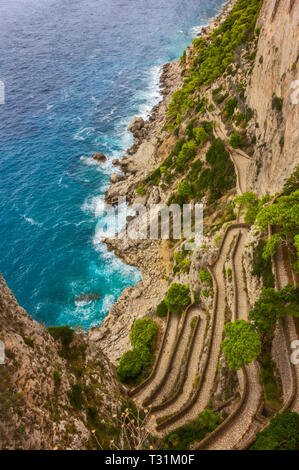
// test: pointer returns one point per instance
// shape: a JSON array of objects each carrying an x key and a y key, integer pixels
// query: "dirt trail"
[
  {"x": 212, "y": 359},
  {"x": 283, "y": 279},
  {"x": 172, "y": 373},
  {"x": 192, "y": 371},
  {"x": 162, "y": 367},
  {"x": 242, "y": 421}
]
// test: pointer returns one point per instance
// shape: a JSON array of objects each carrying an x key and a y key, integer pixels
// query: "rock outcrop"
[{"x": 38, "y": 382}]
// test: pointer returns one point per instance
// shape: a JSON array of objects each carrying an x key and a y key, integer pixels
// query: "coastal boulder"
[
  {"x": 136, "y": 125},
  {"x": 116, "y": 177},
  {"x": 99, "y": 157},
  {"x": 115, "y": 162}
]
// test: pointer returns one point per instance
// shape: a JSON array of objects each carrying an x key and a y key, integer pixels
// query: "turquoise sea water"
[{"x": 75, "y": 73}]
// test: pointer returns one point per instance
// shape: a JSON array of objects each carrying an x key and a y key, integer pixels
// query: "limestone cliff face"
[
  {"x": 275, "y": 72},
  {"x": 36, "y": 406}
]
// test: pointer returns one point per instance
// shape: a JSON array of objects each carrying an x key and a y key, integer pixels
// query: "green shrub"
[
  {"x": 135, "y": 364},
  {"x": 28, "y": 341},
  {"x": 57, "y": 378},
  {"x": 282, "y": 434},
  {"x": 63, "y": 333},
  {"x": 211, "y": 58},
  {"x": 236, "y": 140},
  {"x": 219, "y": 177},
  {"x": 162, "y": 309},
  {"x": 292, "y": 183},
  {"x": 177, "y": 298},
  {"x": 205, "y": 276},
  {"x": 132, "y": 363},
  {"x": 262, "y": 268},
  {"x": 272, "y": 393},
  {"x": 205, "y": 293},
  {"x": 140, "y": 190},
  {"x": 144, "y": 333},
  {"x": 277, "y": 103},
  {"x": 230, "y": 106},
  {"x": 242, "y": 345},
  {"x": 200, "y": 135},
  {"x": 75, "y": 396},
  {"x": 195, "y": 170},
  {"x": 185, "y": 190},
  {"x": 194, "y": 431},
  {"x": 187, "y": 153},
  {"x": 274, "y": 305}
]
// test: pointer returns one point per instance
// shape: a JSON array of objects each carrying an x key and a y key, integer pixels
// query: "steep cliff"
[
  {"x": 273, "y": 92},
  {"x": 240, "y": 126},
  {"x": 53, "y": 393}
]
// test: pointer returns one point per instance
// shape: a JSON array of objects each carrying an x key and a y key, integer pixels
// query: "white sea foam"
[
  {"x": 32, "y": 221},
  {"x": 82, "y": 134},
  {"x": 107, "y": 303},
  {"x": 151, "y": 95}
]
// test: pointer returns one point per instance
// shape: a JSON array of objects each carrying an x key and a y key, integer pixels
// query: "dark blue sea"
[{"x": 75, "y": 73}]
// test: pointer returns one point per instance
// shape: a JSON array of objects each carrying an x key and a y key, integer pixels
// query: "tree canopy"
[
  {"x": 242, "y": 345},
  {"x": 177, "y": 298},
  {"x": 274, "y": 305},
  {"x": 282, "y": 434}
]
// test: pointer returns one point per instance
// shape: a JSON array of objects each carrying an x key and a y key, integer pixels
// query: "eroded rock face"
[
  {"x": 275, "y": 73},
  {"x": 116, "y": 178},
  {"x": 35, "y": 408}
]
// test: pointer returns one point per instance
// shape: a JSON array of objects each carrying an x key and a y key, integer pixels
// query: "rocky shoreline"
[
  {"x": 152, "y": 257},
  {"x": 149, "y": 255}
]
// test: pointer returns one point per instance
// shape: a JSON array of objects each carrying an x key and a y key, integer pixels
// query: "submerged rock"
[
  {"x": 87, "y": 297},
  {"x": 99, "y": 157}
]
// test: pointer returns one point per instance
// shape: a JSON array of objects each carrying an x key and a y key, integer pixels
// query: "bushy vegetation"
[
  {"x": 272, "y": 390},
  {"x": 230, "y": 107},
  {"x": 134, "y": 364},
  {"x": 282, "y": 434},
  {"x": 63, "y": 333},
  {"x": 182, "y": 437},
  {"x": 211, "y": 58},
  {"x": 144, "y": 333},
  {"x": 187, "y": 153},
  {"x": 285, "y": 214},
  {"x": 236, "y": 140},
  {"x": 252, "y": 204},
  {"x": 205, "y": 276},
  {"x": 277, "y": 103},
  {"x": 261, "y": 267},
  {"x": 140, "y": 191},
  {"x": 200, "y": 135},
  {"x": 274, "y": 305},
  {"x": 242, "y": 345},
  {"x": 177, "y": 298},
  {"x": 162, "y": 309},
  {"x": 292, "y": 183},
  {"x": 75, "y": 396}
]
